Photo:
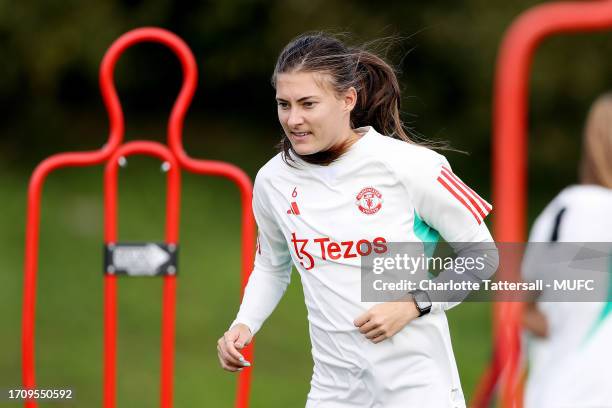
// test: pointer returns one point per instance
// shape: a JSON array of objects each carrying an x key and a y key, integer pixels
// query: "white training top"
[
  {"x": 571, "y": 367},
  {"x": 322, "y": 219}
]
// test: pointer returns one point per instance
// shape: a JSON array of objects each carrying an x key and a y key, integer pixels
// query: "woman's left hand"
[{"x": 386, "y": 319}]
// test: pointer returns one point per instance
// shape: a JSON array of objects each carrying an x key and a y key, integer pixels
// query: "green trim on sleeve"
[
  {"x": 607, "y": 306},
  {"x": 427, "y": 235}
]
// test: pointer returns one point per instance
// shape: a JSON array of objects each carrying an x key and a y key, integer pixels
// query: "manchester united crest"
[{"x": 369, "y": 200}]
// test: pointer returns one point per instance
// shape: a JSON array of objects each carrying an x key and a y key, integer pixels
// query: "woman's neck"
[{"x": 326, "y": 157}]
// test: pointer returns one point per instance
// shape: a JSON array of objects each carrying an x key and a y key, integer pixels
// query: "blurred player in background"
[
  {"x": 570, "y": 343},
  {"x": 347, "y": 181}
]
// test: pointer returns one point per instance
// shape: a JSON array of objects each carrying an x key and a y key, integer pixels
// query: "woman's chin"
[{"x": 304, "y": 150}]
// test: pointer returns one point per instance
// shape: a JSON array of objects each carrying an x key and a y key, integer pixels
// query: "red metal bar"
[
  {"x": 483, "y": 394},
  {"x": 510, "y": 107},
  {"x": 177, "y": 157},
  {"x": 238, "y": 177},
  {"x": 203, "y": 167},
  {"x": 110, "y": 288}
]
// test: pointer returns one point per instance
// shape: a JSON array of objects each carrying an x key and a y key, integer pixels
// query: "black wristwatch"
[{"x": 422, "y": 301}]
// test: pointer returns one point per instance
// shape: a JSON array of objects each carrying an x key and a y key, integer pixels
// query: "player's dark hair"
[{"x": 378, "y": 90}]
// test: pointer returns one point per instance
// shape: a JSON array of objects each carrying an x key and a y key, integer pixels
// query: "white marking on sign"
[{"x": 140, "y": 260}]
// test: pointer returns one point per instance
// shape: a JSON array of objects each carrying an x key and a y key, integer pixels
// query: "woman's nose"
[{"x": 295, "y": 118}]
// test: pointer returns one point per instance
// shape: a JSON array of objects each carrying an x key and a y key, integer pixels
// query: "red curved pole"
[
  {"x": 107, "y": 69},
  {"x": 231, "y": 172},
  {"x": 110, "y": 281},
  {"x": 239, "y": 177},
  {"x": 510, "y": 107},
  {"x": 179, "y": 158}
]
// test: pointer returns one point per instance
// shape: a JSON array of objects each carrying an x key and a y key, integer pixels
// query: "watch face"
[{"x": 422, "y": 300}]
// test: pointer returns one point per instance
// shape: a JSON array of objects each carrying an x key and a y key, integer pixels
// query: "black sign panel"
[{"x": 140, "y": 259}]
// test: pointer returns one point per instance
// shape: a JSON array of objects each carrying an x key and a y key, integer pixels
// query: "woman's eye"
[
  {"x": 309, "y": 104},
  {"x": 283, "y": 105}
]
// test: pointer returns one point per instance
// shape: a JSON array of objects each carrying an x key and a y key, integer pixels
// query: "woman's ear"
[{"x": 350, "y": 99}]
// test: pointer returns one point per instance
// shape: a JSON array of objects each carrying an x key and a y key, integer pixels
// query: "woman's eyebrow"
[{"x": 299, "y": 100}]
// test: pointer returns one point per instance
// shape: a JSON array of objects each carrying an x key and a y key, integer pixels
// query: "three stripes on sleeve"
[{"x": 475, "y": 204}]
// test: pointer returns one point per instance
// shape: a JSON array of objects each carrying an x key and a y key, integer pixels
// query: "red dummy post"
[
  {"x": 510, "y": 109},
  {"x": 175, "y": 159}
]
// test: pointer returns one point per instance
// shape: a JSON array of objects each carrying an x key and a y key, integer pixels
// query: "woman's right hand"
[{"x": 236, "y": 338}]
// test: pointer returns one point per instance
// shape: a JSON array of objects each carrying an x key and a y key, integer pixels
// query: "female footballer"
[
  {"x": 348, "y": 180},
  {"x": 569, "y": 347}
]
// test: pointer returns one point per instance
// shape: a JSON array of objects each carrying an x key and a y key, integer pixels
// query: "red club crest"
[{"x": 369, "y": 200}]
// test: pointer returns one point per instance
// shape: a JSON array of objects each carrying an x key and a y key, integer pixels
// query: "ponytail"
[{"x": 378, "y": 99}]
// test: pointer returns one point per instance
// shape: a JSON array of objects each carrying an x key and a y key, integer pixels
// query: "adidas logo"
[{"x": 293, "y": 209}]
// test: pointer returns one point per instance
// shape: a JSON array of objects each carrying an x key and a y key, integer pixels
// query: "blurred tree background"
[{"x": 51, "y": 50}]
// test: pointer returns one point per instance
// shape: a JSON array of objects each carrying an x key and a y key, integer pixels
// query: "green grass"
[{"x": 69, "y": 308}]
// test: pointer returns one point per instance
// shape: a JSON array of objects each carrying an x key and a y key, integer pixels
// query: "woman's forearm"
[
  {"x": 261, "y": 296},
  {"x": 534, "y": 320}
]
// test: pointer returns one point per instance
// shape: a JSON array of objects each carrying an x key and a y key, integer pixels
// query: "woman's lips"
[{"x": 300, "y": 135}]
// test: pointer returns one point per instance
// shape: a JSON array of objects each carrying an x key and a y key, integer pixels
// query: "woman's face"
[{"x": 312, "y": 115}]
